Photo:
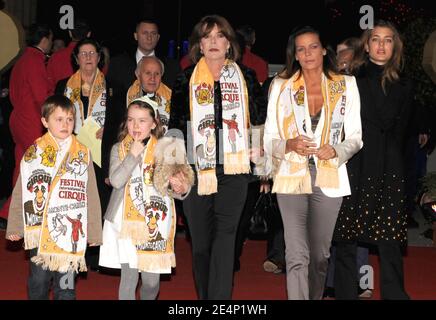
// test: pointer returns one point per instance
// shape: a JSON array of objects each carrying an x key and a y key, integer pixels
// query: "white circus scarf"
[
  {"x": 236, "y": 121},
  {"x": 293, "y": 119},
  {"x": 97, "y": 99},
  {"x": 148, "y": 217},
  {"x": 162, "y": 99},
  {"x": 55, "y": 203}
]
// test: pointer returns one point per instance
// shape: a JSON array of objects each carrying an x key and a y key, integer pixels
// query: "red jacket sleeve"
[{"x": 39, "y": 84}]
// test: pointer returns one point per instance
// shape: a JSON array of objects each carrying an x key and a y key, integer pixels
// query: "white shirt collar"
[
  {"x": 139, "y": 55},
  {"x": 64, "y": 145}
]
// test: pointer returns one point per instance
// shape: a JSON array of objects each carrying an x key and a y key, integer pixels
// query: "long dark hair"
[
  {"x": 204, "y": 27},
  {"x": 292, "y": 65}
]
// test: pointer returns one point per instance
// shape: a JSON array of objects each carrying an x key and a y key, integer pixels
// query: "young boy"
[{"x": 55, "y": 204}]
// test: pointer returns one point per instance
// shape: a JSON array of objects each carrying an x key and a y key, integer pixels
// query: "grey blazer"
[{"x": 119, "y": 175}]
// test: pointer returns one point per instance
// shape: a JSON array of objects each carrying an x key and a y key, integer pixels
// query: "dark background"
[{"x": 113, "y": 22}]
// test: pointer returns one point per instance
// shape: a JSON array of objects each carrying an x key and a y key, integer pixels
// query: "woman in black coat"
[
  {"x": 215, "y": 113},
  {"x": 374, "y": 213}
]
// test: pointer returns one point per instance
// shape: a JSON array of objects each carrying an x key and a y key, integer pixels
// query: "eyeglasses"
[{"x": 85, "y": 54}]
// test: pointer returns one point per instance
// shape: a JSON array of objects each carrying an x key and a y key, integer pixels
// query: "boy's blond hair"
[{"x": 57, "y": 101}]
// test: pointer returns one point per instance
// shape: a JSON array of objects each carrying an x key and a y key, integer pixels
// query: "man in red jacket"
[
  {"x": 59, "y": 66},
  {"x": 249, "y": 59},
  {"x": 29, "y": 88}
]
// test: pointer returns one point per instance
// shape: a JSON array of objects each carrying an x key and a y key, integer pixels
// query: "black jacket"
[
  {"x": 375, "y": 212},
  {"x": 122, "y": 70},
  {"x": 180, "y": 109}
]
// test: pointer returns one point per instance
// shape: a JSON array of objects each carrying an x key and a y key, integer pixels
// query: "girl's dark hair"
[
  {"x": 157, "y": 132},
  {"x": 204, "y": 27},
  {"x": 292, "y": 65},
  {"x": 98, "y": 49}
]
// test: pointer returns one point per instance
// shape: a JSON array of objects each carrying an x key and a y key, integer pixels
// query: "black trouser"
[
  {"x": 275, "y": 248},
  {"x": 247, "y": 213},
  {"x": 213, "y": 222},
  {"x": 38, "y": 284},
  {"x": 416, "y": 165},
  {"x": 391, "y": 271}
]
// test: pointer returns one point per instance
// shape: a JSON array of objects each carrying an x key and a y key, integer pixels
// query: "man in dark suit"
[{"x": 122, "y": 68}]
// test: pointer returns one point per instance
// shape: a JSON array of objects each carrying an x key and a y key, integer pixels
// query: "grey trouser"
[
  {"x": 309, "y": 221},
  {"x": 129, "y": 282}
]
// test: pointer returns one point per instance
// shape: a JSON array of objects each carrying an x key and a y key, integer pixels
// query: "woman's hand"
[
  {"x": 178, "y": 183},
  {"x": 256, "y": 154},
  {"x": 137, "y": 146},
  {"x": 326, "y": 152},
  {"x": 107, "y": 181},
  {"x": 99, "y": 133},
  {"x": 14, "y": 237},
  {"x": 302, "y": 145}
]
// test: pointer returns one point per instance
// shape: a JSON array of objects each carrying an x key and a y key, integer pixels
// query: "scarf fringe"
[
  {"x": 152, "y": 262},
  {"x": 327, "y": 177},
  {"x": 294, "y": 185},
  {"x": 60, "y": 262},
  {"x": 207, "y": 182},
  {"x": 236, "y": 163},
  {"x": 137, "y": 231},
  {"x": 31, "y": 238}
]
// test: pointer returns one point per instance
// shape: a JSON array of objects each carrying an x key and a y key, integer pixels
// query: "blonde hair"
[{"x": 157, "y": 131}]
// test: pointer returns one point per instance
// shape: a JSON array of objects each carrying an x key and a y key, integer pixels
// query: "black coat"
[
  {"x": 375, "y": 210},
  {"x": 180, "y": 108}
]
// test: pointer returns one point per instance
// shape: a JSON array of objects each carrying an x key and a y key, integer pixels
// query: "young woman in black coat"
[{"x": 374, "y": 213}]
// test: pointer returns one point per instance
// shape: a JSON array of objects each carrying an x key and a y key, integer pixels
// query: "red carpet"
[{"x": 250, "y": 283}]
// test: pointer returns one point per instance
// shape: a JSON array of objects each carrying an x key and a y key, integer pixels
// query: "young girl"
[{"x": 139, "y": 227}]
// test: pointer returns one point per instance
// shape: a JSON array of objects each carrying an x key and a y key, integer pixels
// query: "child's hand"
[
  {"x": 178, "y": 183},
  {"x": 93, "y": 244},
  {"x": 14, "y": 237},
  {"x": 137, "y": 146}
]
